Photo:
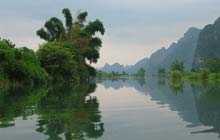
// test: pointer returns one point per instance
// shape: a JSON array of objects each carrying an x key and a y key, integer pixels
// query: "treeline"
[
  {"x": 66, "y": 54},
  {"x": 176, "y": 71},
  {"x": 20, "y": 65},
  {"x": 140, "y": 73}
]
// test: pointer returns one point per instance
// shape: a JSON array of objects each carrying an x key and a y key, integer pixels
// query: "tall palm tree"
[{"x": 76, "y": 32}]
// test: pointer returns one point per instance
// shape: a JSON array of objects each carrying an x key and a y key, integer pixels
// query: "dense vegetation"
[
  {"x": 20, "y": 65},
  {"x": 176, "y": 70},
  {"x": 65, "y": 56},
  {"x": 210, "y": 71},
  {"x": 68, "y": 48}
]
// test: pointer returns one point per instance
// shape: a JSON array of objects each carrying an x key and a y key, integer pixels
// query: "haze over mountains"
[{"x": 193, "y": 48}]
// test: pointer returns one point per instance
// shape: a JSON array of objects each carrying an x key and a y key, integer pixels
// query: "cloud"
[{"x": 137, "y": 27}]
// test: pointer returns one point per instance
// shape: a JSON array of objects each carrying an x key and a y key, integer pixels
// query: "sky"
[{"x": 134, "y": 28}]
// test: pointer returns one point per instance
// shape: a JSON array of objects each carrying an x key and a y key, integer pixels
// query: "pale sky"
[{"x": 134, "y": 28}]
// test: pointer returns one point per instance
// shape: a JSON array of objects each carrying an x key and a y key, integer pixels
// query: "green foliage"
[
  {"x": 91, "y": 70},
  {"x": 176, "y": 76},
  {"x": 63, "y": 56},
  {"x": 78, "y": 41},
  {"x": 82, "y": 16},
  {"x": 54, "y": 30},
  {"x": 68, "y": 17},
  {"x": 204, "y": 74},
  {"x": 177, "y": 66},
  {"x": 20, "y": 64},
  {"x": 213, "y": 65},
  {"x": 58, "y": 61},
  {"x": 94, "y": 27},
  {"x": 2, "y": 77}
]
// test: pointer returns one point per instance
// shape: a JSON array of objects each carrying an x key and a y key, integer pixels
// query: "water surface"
[{"x": 112, "y": 109}]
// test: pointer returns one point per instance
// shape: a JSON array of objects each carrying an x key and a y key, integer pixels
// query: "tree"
[
  {"x": 55, "y": 30},
  {"x": 213, "y": 65},
  {"x": 204, "y": 74},
  {"x": 177, "y": 66},
  {"x": 58, "y": 61},
  {"x": 68, "y": 18},
  {"x": 79, "y": 36},
  {"x": 20, "y": 64},
  {"x": 176, "y": 70}
]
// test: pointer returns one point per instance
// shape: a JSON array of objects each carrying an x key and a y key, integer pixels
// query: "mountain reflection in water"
[
  {"x": 124, "y": 109},
  {"x": 198, "y": 105}
]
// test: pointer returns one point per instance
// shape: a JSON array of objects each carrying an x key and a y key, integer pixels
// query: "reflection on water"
[
  {"x": 177, "y": 86},
  {"x": 63, "y": 112},
  {"x": 196, "y": 104},
  {"x": 139, "y": 109}
]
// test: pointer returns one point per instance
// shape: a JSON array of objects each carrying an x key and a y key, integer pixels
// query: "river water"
[{"x": 112, "y": 109}]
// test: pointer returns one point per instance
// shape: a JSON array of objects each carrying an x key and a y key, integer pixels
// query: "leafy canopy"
[
  {"x": 20, "y": 64},
  {"x": 177, "y": 66},
  {"x": 76, "y": 43}
]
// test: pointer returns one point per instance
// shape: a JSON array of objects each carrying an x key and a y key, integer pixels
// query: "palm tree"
[{"x": 76, "y": 32}]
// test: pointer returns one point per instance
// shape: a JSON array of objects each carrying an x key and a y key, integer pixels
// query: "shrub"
[
  {"x": 58, "y": 61},
  {"x": 20, "y": 64},
  {"x": 204, "y": 74}
]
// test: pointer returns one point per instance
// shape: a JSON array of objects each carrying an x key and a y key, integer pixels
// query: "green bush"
[
  {"x": 20, "y": 64},
  {"x": 1, "y": 74},
  {"x": 177, "y": 66},
  {"x": 205, "y": 74},
  {"x": 58, "y": 61}
]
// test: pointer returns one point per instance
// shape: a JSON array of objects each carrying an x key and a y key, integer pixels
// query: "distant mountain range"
[
  {"x": 193, "y": 48},
  {"x": 115, "y": 67}
]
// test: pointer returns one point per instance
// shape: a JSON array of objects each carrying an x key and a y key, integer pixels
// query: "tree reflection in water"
[
  {"x": 18, "y": 102},
  {"x": 67, "y": 113},
  {"x": 64, "y": 112},
  {"x": 176, "y": 85}
]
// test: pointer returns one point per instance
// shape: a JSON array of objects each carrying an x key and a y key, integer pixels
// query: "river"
[{"x": 112, "y": 109}]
